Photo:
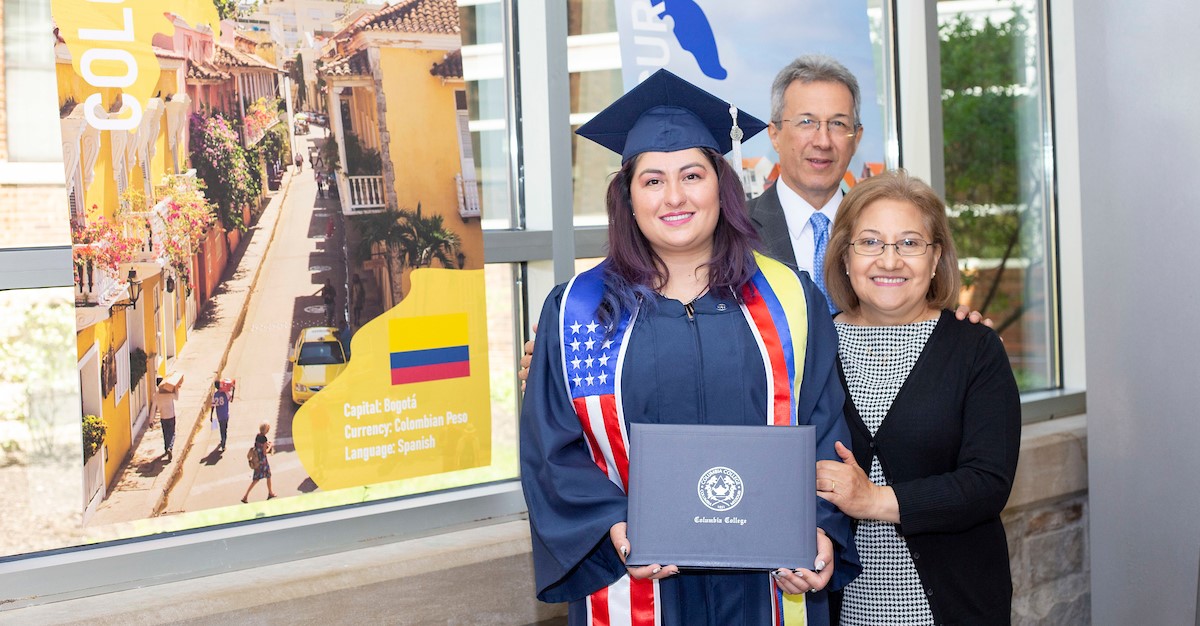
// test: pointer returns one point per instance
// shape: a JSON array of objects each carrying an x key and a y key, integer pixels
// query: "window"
[
  {"x": 31, "y": 153},
  {"x": 101, "y": 351},
  {"x": 485, "y": 68},
  {"x": 39, "y": 428},
  {"x": 1000, "y": 174},
  {"x": 29, "y": 82},
  {"x": 593, "y": 48}
]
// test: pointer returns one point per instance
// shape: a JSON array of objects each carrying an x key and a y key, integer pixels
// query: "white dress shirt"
[{"x": 797, "y": 211}]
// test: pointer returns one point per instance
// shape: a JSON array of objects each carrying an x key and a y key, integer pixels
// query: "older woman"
[
  {"x": 669, "y": 329},
  {"x": 934, "y": 417}
]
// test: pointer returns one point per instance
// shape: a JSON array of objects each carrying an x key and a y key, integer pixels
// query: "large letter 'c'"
[{"x": 129, "y": 123}]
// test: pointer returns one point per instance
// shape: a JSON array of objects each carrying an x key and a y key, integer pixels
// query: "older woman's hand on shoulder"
[
  {"x": 847, "y": 486},
  {"x": 963, "y": 312}
]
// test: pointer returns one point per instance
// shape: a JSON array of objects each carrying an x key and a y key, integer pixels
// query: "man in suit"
[{"x": 815, "y": 128}]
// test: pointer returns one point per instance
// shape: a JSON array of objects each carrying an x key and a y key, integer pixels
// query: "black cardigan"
[{"x": 948, "y": 447}]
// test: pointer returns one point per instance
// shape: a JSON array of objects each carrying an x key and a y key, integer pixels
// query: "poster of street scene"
[{"x": 278, "y": 259}]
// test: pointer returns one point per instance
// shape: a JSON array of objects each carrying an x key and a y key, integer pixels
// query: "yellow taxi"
[{"x": 317, "y": 359}]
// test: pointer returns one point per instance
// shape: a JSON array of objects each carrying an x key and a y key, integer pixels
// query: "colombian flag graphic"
[{"x": 430, "y": 347}]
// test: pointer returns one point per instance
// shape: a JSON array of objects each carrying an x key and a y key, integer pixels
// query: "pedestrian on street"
[
  {"x": 262, "y": 448},
  {"x": 164, "y": 401},
  {"x": 299, "y": 162},
  {"x": 220, "y": 406},
  {"x": 328, "y": 296},
  {"x": 357, "y": 295}
]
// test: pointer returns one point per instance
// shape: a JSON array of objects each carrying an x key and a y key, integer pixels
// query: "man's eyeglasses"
[
  {"x": 870, "y": 246},
  {"x": 809, "y": 126}
]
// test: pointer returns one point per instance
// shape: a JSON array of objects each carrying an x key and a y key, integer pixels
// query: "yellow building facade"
[
  {"x": 395, "y": 84},
  {"x": 113, "y": 177}
]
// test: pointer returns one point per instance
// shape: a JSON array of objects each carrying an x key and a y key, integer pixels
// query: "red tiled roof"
[
  {"x": 354, "y": 65},
  {"x": 163, "y": 53},
  {"x": 204, "y": 71},
  {"x": 449, "y": 67},
  {"x": 227, "y": 56},
  {"x": 416, "y": 16}
]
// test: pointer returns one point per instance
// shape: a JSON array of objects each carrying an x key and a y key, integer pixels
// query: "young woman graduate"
[{"x": 682, "y": 323}]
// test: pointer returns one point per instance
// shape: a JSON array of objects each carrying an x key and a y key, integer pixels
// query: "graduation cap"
[{"x": 666, "y": 113}]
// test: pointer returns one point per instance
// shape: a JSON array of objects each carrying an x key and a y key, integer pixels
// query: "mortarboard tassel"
[{"x": 735, "y": 134}]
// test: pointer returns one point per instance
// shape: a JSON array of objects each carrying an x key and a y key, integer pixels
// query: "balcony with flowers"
[
  {"x": 260, "y": 117},
  {"x": 101, "y": 248},
  {"x": 178, "y": 222}
]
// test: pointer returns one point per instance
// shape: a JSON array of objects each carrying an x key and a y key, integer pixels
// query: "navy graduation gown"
[{"x": 676, "y": 370}]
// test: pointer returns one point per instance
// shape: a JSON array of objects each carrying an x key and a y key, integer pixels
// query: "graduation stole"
[{"x": 776, "y": 311}]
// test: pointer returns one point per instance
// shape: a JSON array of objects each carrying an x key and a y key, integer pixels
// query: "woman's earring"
[{"x": 933, "y": 275}]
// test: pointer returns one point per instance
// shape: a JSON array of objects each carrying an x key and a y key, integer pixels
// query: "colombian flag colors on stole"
[{"x": 431, "y": 347}]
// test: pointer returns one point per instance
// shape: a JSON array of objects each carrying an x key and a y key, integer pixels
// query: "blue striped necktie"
[{"x": 820, "y": 225}]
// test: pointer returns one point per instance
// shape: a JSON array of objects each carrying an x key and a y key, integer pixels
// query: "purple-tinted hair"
[{"x": 633, "y": 271}]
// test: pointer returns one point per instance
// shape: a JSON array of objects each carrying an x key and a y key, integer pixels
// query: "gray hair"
[{"x": 812, "y": 68}]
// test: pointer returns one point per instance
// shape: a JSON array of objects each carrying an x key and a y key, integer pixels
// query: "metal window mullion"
[
  {"x": 920, "y": 89},
  {"x": 545, "y": 175},
  {"x": 34, "y": 268}
]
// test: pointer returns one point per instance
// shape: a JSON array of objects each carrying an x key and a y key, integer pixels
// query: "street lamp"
[{"x": 135, "y": 292}]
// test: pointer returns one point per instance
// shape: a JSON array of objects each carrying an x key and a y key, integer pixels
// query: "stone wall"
[
  {"x": 1048, "y": 548},
  {"x": 1047, "y": 524}
]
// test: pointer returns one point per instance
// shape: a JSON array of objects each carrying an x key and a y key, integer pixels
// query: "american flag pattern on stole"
[{"x": 592, "y": 364}]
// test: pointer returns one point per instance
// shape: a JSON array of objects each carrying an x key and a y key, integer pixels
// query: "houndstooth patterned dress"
[{"x": 877, "y": 361}]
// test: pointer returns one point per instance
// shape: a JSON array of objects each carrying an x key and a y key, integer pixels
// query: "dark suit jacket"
[{"x": 767, "y": 216}]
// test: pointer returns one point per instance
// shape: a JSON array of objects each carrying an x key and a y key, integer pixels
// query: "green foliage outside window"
[{"x": 986, "y": 100}]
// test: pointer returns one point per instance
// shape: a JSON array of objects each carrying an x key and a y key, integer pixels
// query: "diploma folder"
[{"x": 722, "y": 497}]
